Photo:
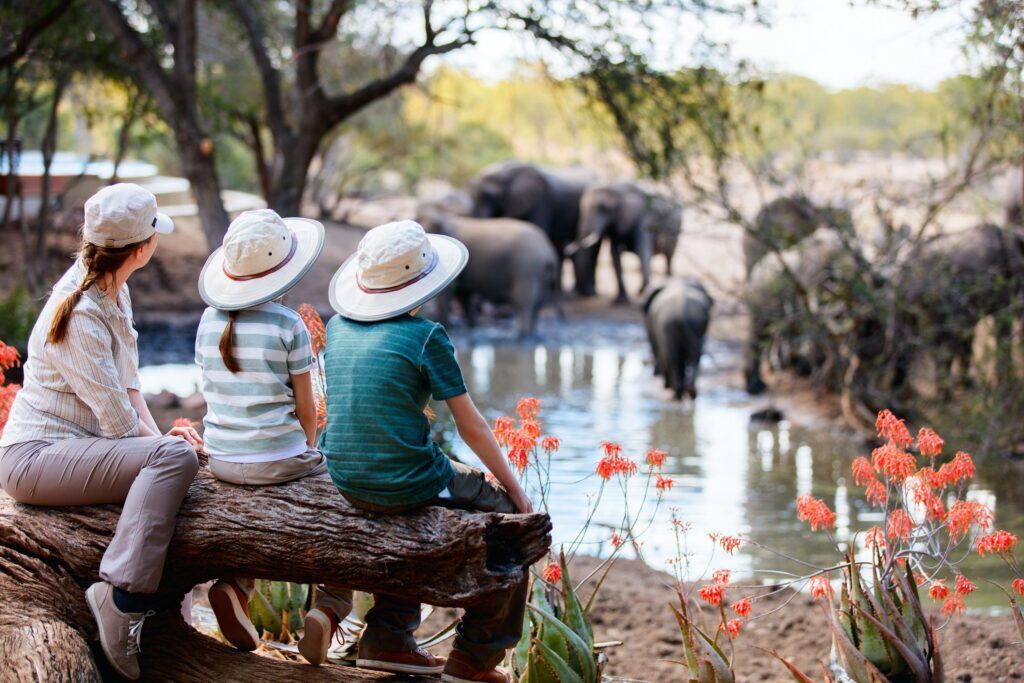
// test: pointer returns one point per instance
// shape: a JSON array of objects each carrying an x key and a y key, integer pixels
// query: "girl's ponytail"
[
  {"x": 59, "y": 325},
  {"x": 99, "y": 262},
  {"x": 227, "y": 344}
]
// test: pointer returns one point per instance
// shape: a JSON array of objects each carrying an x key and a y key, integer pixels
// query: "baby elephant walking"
[{"x": 676, "y": 315}]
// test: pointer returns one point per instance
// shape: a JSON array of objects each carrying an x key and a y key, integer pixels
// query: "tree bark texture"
[{"x": 303, "y": 532}]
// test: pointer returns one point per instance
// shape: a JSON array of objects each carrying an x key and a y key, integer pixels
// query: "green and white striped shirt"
[{"x": 250, "y": 416}]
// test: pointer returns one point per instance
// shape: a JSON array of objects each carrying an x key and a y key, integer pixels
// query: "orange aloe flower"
[
  {"x": 964, "y": 586},
  {"x": 519, "y": 458},
  {"x": 617, "y": 540},
  {"x": 663, "y": 484},
  {"x": 503, "y": 427},
  {"x": 552, "y": 573},
  {"x": 712, "y": 593},
  {"x": 728, "y": 543},
  {"x": 875, "y": 493},
  {"x": 900, "y": 525},
  {"x": 1000, "y": 542},
  {"x": 549, "y": 444},
  {"x": 655, "y": 458},
  {"x": 732, "y": 627},
  {"x": 894, "y": 461},
  {"x": 720, "y": 576},
  {"x": 9, "y": 356},
  {"x": 815, "y": 511},
  {"x": 874, "y": 537},
  {"x": 863, "y": 471},
  {"x": 954, "y": 604},
  {"x": 1018, "y": 586},
  {"x": 527, "y": 408},
  {"x": 966, "y": 513},
  {"x": 938, "y": 590},
  {"x": 928, "y": 442},
  {"x": 742, "y": 607},
  {"x": 184, "y": 422},
  {"x": 821, "y": 587},
  {"x": 315, "y": 326},
  {"x": 531, "y": 428},
  {"x": 891, "y": 428}
]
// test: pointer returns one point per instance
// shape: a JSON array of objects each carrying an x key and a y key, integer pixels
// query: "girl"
[
  {"x": 261, "y": 423},
  {"x": 80, "y": 433}
]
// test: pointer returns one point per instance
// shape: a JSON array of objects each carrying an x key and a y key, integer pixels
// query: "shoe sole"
[
  {"x": 316, "y": 629},
  {"x": 396, "y": 668},
  {"x": 233, "y": 621},
  {"x": 95, "y": 609},
  {"x": 448, "y": 678}
]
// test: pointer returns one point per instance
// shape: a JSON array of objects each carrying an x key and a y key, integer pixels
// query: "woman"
[{"x": 80, "y": 433}]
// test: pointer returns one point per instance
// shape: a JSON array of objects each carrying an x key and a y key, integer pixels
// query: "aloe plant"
[
  {"x": 277, "y": 608},
  {"x": 881, "y": 630},
  {"x": 557, "y": 645},
  {"x": 705, "y": 662}
]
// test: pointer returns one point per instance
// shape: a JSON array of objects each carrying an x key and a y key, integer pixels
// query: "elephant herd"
[
  {"x": 824, "y": 303},
  {"x": 521, "y": 222}
]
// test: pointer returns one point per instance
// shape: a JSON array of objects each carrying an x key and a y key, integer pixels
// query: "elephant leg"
[
  {"x": 645, "y": 250},
  {"x": 755, "y": 349},
  {"x": 622, "y": 297},
  {"x": 468, "y": 303},
  {"x": 668, "y": 265},
  {"x": 695, "y": 349},
  {"x": 676, "y": 364},
  {"x": 652, "y": 338}
]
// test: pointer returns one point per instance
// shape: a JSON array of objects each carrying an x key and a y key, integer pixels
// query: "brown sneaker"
[
  {"x": 231, "y": 607},
  {"x": 317, "y": 631},
  {"x": 460, "y": 669},
  {"x": 120, "y": 632},
  {"x": 419, "y": 661}
]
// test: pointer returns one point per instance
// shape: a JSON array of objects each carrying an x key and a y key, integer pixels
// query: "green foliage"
[
  {"x": 277, "y": 608},
  {"x": 557, "y": 645},
  {"x": 18, "y": 313}
]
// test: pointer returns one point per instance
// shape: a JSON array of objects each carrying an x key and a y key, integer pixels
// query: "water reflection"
[{"x": 731, "y": 475}]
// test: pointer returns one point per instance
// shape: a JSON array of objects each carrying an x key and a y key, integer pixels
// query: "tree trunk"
[
  {"x": 197, "y": 164},
  {"x": 291, "y": 169},
  {"x": 303, "y": 532}
]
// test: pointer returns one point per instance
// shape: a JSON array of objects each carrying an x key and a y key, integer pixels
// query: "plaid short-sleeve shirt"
[{"x": 79, "y": 388}]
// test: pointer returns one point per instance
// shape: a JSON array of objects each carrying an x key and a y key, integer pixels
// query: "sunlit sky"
[{"x": 838, "y": 43}]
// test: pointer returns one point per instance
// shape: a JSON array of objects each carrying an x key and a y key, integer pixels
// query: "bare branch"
[
  {"x": 269, "y": 76},
  {"x": 31, "y": 32}
]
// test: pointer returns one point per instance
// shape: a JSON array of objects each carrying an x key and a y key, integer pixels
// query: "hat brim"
[
  {"x": 163, "y": 224},
  {"x": 348, "y": 299},
  {"x": 220, "y": 291}
]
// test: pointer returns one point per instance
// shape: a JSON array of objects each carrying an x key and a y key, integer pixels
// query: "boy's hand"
[{"x": 521, "y": 501}]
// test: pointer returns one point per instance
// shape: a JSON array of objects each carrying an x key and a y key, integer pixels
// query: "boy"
[{"x": 383, "y": 364}]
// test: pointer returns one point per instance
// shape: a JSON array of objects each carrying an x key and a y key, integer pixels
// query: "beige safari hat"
[
  {"x": 396, "y": 268},
  {"x": 263, "y": 256},
  {"x": 123, "y": 214}
]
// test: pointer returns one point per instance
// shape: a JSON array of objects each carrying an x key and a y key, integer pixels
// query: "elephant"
[
  {"x": 676, "y": 315},
  {"x": 511, "y": 263},
  {"x": 633, "y": 219},
  {"x": 784, "y": 222},
  {"x": 549, "y": 200},
  {"x": 952, "y": 281},
  {"x": 795, "y": 296}
]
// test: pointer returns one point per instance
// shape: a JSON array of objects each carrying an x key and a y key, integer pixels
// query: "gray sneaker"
[{"x": 120, "y": 632}]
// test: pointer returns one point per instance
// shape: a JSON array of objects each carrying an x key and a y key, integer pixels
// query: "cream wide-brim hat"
[
  {"x": 356, "y": 303},
  {"x": 221, "y": 291}
]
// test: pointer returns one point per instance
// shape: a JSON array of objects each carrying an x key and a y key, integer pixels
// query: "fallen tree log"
[{"x": 303, "y": 532}]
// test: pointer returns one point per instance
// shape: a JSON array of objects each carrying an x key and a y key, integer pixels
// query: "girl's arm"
[
  {"x": 147, "y": 425},
  {"x": 475, "y": 431},
  {"x": 305, "y": 405}
]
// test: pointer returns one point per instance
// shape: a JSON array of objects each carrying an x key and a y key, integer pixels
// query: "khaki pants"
[
  {"x": 312, "y": 463},
  {"x": 487, "y": 629},
  {"x": 149, "y": 475}
]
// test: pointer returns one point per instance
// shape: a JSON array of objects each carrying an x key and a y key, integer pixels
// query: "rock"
[
  {"x": 165, "y": 400},
  {"x": 194, "y": 402}
]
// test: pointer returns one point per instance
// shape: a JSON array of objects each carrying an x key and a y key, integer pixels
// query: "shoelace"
[{"x": 134, "y": 644}]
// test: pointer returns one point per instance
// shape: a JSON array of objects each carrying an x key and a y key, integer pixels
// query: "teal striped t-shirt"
[
  {"x": 380, "y": 376},
  {"x": 250, "y": 415}
]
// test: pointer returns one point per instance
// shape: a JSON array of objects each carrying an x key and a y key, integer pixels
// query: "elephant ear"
[
  {"x": 635, "y": 210},
  {"x": 525, "y": 193}
]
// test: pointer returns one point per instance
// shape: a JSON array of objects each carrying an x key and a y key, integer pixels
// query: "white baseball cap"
[
  {"x": 396, "y": 268},
  {"x": 123, "y": 214},
  {"x": 262, "y": 257}
]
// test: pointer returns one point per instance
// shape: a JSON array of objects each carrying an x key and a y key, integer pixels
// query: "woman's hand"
[{"x": 188, "y": 434}]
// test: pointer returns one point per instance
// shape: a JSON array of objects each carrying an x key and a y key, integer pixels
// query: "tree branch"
[
  {"x": 342, "y": 106},
  {"x": 269, "y": 76},
  {"x": 30, "y": 32}
]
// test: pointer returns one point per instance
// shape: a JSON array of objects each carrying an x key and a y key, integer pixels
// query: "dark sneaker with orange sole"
[
  {"x": 231, "y": 607},
  {"x": 460, "y": 669},
  {"x": 418, "y": 661}
]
